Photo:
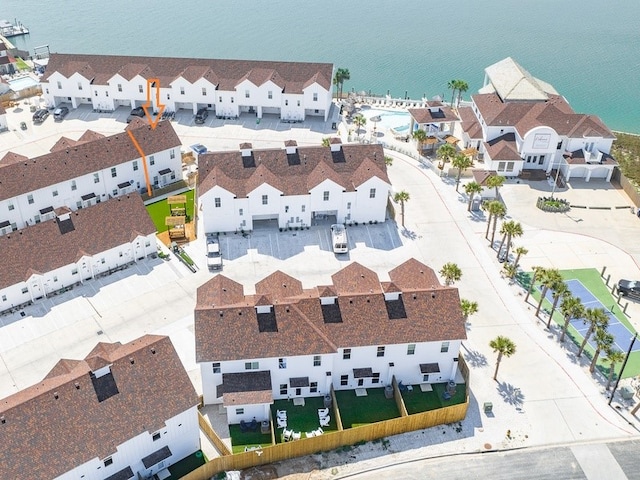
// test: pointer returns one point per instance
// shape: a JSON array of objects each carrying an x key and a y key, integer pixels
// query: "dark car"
[
  {"x": 199, "y": 148},
  {"x": 60, "y": 112},
  {"x": 629, "y": 287},
  {"x": 40, "y": 115},
  {"x": 202, "y": 115},
  {"x": 136, "y": 112}
]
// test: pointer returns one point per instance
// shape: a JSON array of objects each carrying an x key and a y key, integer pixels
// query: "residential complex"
[
  {"x": 292, "y": 185},
  {"x": 518, "y": 123},
  {"x": 291, "y": 90},
  {"x": 125, "y": 411},
  {"x": 286, "y": 342}
]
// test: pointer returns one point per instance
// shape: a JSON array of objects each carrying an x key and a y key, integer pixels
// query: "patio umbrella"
[{"x": 375, "y": 120}]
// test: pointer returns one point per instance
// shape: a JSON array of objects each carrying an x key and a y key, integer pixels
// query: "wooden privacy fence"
[{"x": 332, "y": 440}]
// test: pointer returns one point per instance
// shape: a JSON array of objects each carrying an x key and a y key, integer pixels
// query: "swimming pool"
[
  {"x": 398, "y": 120},
  {"x": 22, "y": 83}
]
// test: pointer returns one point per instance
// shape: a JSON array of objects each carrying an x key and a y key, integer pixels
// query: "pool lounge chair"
[
  {"x": 287, "y": 435},
  {"x": 296, "y": 435},
  {"x": 318, "y": 431},
  {"x": 324, "y": 422},
  {"x": 282, "y": 423},
  {"x": 323, "y": 412}
]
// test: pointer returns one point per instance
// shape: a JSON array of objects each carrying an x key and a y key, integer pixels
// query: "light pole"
[
  {"x": 624, "y": 364},
  {"x": 555, "y": 182}
]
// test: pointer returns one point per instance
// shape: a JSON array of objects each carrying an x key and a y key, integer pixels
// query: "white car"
[{"x": 339, "y": 238}]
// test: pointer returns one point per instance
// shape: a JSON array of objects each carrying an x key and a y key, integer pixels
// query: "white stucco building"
[
  {"x": 518, "y": 123},
  {"x": 73, "y": 247},
  {"x": 291, "y": 90},
  {"x": 80, "y": 173},
  {"x": 292, "y": 185},
  {"x": 286, "y": 342},
  {"x": 123, "y": 412}
]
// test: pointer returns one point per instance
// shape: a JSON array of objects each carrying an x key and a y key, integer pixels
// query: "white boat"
[{"x": 8, "y": 29}]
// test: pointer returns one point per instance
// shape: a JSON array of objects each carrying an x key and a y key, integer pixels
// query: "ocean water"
[{"x": 589, "y": 50}]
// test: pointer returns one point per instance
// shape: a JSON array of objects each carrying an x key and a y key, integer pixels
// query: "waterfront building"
[
  {"x": 288, "y": 342},
  {"x": 520, "y": 123},
  {"x": 125, "y": 411},
  {"x": 437, "y": 121},
  {"x": 292, "y": 186},
  {"x": 291, "y": 90}
]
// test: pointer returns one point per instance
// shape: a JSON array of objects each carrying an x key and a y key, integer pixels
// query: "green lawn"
[
  {"x": 418, "y": 401},
  {"x": 159, "y": 210},
  {"x": 240, "y": 439},
  {"x": 302, "y": 418},
  {"x": 375, "y": 407},
  {"x": 186, "y": 465},
  {"x": 590, "y": 278},
  {"x": 21, "y": 64}
]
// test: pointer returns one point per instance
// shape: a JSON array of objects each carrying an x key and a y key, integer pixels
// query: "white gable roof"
[{"x": 512, "y": 82}]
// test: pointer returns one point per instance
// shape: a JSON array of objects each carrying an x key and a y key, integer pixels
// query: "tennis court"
[{"x": 622, "y": 335}]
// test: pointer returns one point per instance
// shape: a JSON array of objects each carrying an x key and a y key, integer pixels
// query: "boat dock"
[{"x": 8, "y": 29}]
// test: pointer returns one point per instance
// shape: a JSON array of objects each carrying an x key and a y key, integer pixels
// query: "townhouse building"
[
  {"x": 73, "y": 247},
  {"x": 84, "y": 172},
  {"x": 518, "y": 122},
  {"x": 291, "y": 90},
  {"x": 125, "y": 411},
  {"x": 286, "y": 342},
  {"x": 292, "y": 186}
]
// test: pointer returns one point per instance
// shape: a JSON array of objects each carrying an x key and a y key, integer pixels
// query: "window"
[
  {"x": 152, "y": 160},
  {"x": 79, "y": 86},
  {"x": 78, "y": 204},
  {"x": 135, "y": 165},
  {"x": 59, "y": 86},
  {"x": 541, "y": 161},
  {"x": 4, "y": 298},
  {"x": 270, "y": 95},
  {"x": 282, "y": 363},
  {"x": 217, "y": 202},
  {"x": 220, "y": 99},
  {"x": 559, "y": 146},
  {"x": 372, "y": 193},
  {"x": 30, "y": 199},
  {"x": 46, "y": 91},
  {"x": 24, "y": 290},
  {"x": 325, "y": 196},
  {"x": 286, "y": 103},
  {"x": 147, "y": 243},
  {"x": 317, "y": 360},
  {"x": 119, "y": 87},
  {"x": 108, "y": 461},
  {"x": 246, "y": 94},
  {"x": 411, "y": 349},
  {"x": 74, "y": 271},
  {"x": 11, "y": 206},
  {"x": 501, "y": 166},
  {"x": 241, "y": 212},
  {"x": 344, "y": 380},
  {"x": 106, "y": 94},
  {"x": 510, "y": 166},
  {"x": 114, "y": 174},
  {"x": 96, "y": 178},
  {"x": 120, "y": 254},
  {"x": 444, "y": 347},
  {"x": 315, "y": 97},
  {"x": 36, "y": 218},
  {"x": 216, "y": 367},
  {"x": 102, "y": 261},
  {"x": 251, "y": 365},
  {"x": 55, "y": 193},
  {"x": 283, "y": 389},
  {"x": 73, "y": 185},
  {"x": 140, "y": 90},
  {"x": 298, "y": 103},
  {"x": 376, "y": 378},
  {"x": 239, "y": 411},
  {"x": 380, "y": 352},
  {"x": 181, "y": 90},
  {"x": 346, "y": 354},
  {"x": 172, "y": 154},
  {"x": 232, "y": 100},
  {"x": 156, "y": 436},
  {"x": 304, "y": 207},
  {"x": 265, "y": 199},
  {"x": 313, "y": 387}
]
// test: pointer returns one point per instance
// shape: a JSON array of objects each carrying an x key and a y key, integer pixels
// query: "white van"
[{"x": 339, "y": 238}]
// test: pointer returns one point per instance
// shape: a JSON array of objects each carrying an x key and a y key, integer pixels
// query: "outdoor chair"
[
  {"x": 323, "y": 412},
  {"x": 287, "y": 434},
  {"x": 282, "y": 414},
  {"x": 243, "y": 426},
  {"x": 310, "y": 434},
  {"x": 324, "y": 422},
  {"x": 319, "y": 431},
  {"x": 253, "y": 426},
  {"x": 296, "y": 435},
  {"x": 282, "y": 423}
]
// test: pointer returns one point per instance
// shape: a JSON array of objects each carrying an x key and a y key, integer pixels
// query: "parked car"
[
  {"x": 60, "y": 112},
  {"x": 40, "y": 115},
  {"x": 136, "y": 112},
  {"x": 202, "y": 115},
  {"x": 339, "y": 238},
  {"x": 199, "y": 148},
  {"x": 629, "y": 287}
]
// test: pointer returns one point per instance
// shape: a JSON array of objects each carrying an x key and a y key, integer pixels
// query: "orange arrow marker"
[{"x": 147, "y": 107}]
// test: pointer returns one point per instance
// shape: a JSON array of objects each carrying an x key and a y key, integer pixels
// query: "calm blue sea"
[{"x": 587, "y": 49}]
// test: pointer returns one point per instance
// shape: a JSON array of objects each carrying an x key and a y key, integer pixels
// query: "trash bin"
[
  {"x": 488, "y": 407},
  {"x": 327, "y": 401},
  {"x": 388, "y": 391}
]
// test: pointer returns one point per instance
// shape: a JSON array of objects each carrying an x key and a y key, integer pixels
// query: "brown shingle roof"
[
  {"x": 291, "y": 76},
  {"x": 44, "y": 436},
  {"x": 480, "y": 176},
  {"x": 226, "y": 169},
  {"x": 43, "y": 248},
  {"x": 436, "y": 112},
  {"x": 503, "y": 147},
  {"x": 279, "y": 285},
  {"x": 230, "y": 332},
  {"x": 22, "y": 177},
  {"x": 470, "y": 122}
]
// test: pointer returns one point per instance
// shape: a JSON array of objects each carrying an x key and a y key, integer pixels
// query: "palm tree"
[
  {"x": 514, "y": 230},
  {"x": 460, "y": 162},
  {"x": 549, "y": 278},
  {"x": 604, "y": 340},
  {"x": 451, "y": 273},
  {"x": 510, "y": 270},
  {"x": 420, "y": 136},
  {"x": 401, "y": 197},
  {"x": 571, "y": 307},
  {"x": 499, "y": 210},
  {"x": 504, "y": 347},
  {"x": 519, "y": 251},
  {"x": 495, "y": 181},
  {"x": 360, "y": 121},
  {"x": 326, "y": 142},
  {"x": 462, "y": 87},
  {"x": 595, "y": 318},
  {"x": 537, "y": 273},
  {"x": 388, "y": 161},
  {"x": 468, "y": 308},
  {"x": 342, "y": 74},
  {"x": 453, "y": 86},
  {"x": 560, "y": 290},
  {"x": 445, "y": 153},
  {"x": 614, "y": 356},
  {"x": 493, "y": 207},
  {"x": 471, "y": 189}
]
